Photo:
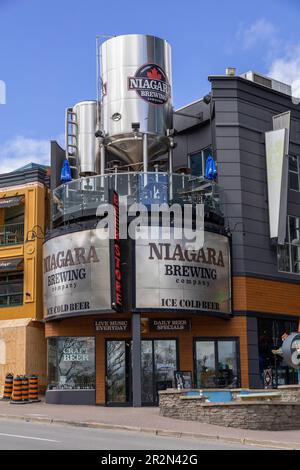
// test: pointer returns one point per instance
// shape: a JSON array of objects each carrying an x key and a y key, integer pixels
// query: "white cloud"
[
  {"x": 282, "y": 59},
  {"x": 20, "y": 151},
  {"x": 287, "y": 68},
  {"x": 260, "y": 32}
]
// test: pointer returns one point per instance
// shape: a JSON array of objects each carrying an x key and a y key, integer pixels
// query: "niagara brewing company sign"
[
  {"x": 171, "y": 277},
  {"x": 151, "y": 84},
  {"x": 76, "y": 279}
]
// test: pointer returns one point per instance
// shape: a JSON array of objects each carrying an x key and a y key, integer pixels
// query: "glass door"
[
  {"x": 147, "y": 372},
  {"x": 118, "y": 372},
  {"x": 159, "y": 361}
]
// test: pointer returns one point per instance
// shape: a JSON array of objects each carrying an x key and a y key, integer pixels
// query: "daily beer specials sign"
[
  {"x": 168, "y": 276},
  {"x": 77, "y": 274}
]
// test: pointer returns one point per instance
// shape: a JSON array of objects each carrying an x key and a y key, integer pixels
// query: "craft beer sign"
[
  {"x": 76, "y": 274},
  {"x": 168, "y": 276}
]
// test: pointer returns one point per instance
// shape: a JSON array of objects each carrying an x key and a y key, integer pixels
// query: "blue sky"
[{"x": 47, "y": 55}]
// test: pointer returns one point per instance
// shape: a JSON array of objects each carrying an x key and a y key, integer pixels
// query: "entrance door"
[
  {"x": 159, "y": 361},
  {"x": 118, "y": 372}
]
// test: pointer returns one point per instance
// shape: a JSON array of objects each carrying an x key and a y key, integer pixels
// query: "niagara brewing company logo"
[{"x": 151, "y": 84}]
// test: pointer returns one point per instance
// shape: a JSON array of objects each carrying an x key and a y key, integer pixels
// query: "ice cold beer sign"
[
  {"x": 170, "y": 277},
  {"x": 76, "y": 274}
]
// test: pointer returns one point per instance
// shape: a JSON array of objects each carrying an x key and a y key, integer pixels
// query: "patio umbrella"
[
  {"x": 65, "y": 175},
  {"x": 211, "y": 171}
]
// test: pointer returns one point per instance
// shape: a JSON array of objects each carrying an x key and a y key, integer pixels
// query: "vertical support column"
[
  {"x": 170, "y": 154},
  {"x": 102, "y": 163},
  {"x": 102, "y": 158},
  {"x": 136, "y": 360},
  {"x": 145, "y": 157}
]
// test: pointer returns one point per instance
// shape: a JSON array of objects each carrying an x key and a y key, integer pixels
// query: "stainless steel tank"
[
  {"x": 136, "y": 95},
  {"x": 88, "y": 156}
]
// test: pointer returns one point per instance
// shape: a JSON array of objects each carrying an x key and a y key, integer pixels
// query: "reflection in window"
[
  {"x": 270, "y": 337},
  {"x": 71, "y": 363},
  {"x": 205, "y": 364},
  {"x": 116, "y": 371},
  {"x": 293, "y": 173},
  {"x": 216, "y": 364},
  {"x": 197, "y": 161},
  {"x": 288, "y": 255},
  {"x": 11, "y": 288}
]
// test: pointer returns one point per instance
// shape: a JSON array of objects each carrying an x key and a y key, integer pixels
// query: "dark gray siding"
[{"x": 244, "y": 113}]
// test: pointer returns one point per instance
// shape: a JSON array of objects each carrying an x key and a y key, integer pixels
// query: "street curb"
[{"x": 156, "y": 432}]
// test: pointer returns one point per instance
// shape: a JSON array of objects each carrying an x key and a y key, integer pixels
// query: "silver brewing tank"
[
  {"x": 136, "y": 95},
  {"x": 84, "y": 128}
]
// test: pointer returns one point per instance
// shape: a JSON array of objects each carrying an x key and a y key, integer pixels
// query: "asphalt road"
[{"x": 18, "y": 435}]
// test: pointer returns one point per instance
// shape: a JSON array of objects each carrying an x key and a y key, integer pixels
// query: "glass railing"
[
  {"x": 11, "y": 294},
  {"x": 11, "y": 234},
  {"x": 81, "y": 197}
]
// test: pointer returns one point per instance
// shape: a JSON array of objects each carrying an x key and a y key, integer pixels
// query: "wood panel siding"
[{"x": 265, "y": 296}]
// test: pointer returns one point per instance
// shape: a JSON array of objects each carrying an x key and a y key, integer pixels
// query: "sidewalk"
[{"x": 144, "y": 420}]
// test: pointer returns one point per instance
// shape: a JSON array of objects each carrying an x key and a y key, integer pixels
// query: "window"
[
  {"x": 71, "y": 363},
  {"x": 216, "y": 363},
  {"x": 288, "y": 255},
  {"x": 197, "y": 161},
  {"x": 293, "y": 173},
  {"x": 270, "y": 333},
  {"x": 11, "y": 289}
]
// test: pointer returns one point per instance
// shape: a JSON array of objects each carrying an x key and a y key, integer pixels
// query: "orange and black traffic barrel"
[
  {"x": 8, "y": 387},
  {"x": 17, "y": 390},
  {"x": 33, "y": 388},
  {"x": 25, "y": 389}
]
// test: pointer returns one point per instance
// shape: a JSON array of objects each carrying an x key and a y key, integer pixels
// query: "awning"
[
  {"x": 9, "y": 264},
  {"x": 11, "y": 201}
]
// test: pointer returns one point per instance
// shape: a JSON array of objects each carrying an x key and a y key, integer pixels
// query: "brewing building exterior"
[{"x": 123, "y": 315}]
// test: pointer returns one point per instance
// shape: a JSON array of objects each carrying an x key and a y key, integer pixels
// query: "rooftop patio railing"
[{"x": 81, "y": 197}]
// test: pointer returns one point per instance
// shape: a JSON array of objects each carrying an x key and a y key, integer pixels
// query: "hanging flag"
[
  {"x": 211, "y": 171},
  {"x": 65, "y": 175}
]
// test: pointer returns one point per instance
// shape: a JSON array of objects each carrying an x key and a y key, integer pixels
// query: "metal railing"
[
  {"x": 81, "y": 197},
  {"x": 11, "y": 294},
  {"x": 11, "y": 234}
]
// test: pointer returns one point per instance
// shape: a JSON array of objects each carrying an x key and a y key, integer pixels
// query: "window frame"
[
  {"x": 56, "y": 387},
  {"x": 294, "y": 173},
  {"x": 289, "y": 245},
  {"x": 216, "y": 340},
  {"x": 4, "y": 280},
  {"x": 203, "y": 160}
]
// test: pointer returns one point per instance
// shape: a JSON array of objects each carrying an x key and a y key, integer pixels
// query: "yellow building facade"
[{"x": 24, "y": 202}]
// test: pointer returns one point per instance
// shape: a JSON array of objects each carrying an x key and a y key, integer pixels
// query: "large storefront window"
[
  {"x": 270, "y": 337},
  {"x": 216, "y": 363},
  {"x": 71, "y": 363}
]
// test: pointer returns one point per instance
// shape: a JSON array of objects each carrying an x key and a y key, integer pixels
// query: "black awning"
[
  {"x": 11, "y": 201},
  {"x": 9, "y": 264}
]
